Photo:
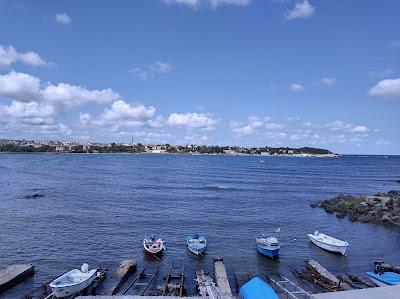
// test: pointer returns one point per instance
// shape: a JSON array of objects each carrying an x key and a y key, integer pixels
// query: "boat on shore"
[
  {"x": 384, "y": 279},
  {"x": 328, "y": 243},
  {"x": 196, "y": 244},
  {"x": 152, "y": 245},
  {"x": 269, "y": 245},
  {"x": 257, "y": 289},
  {"x": 73, "y": 281}
]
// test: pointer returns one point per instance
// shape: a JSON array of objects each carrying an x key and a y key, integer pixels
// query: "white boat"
[
  {"x": 73, "y": 281},
  {"x": 153, "y": 246},
  {"x": 328, "y": 243}
]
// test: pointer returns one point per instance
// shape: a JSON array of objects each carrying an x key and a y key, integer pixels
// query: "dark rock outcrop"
[{"x": 383, "y": 208}]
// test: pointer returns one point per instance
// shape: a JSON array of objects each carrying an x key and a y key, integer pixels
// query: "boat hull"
[
  {"x": 257, "y": 289},
  {"x": 329, "y": 247},
  {"x": 268, "y": 251},
  {"x": 196, "y": 251},
  {"x": 385, "y": 279},
  {"x": 153, "y": 250},
  {"x": 64, "y": 291}
]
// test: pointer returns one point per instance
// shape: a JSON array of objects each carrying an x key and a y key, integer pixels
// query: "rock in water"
[{"x": 382, "y": 208}]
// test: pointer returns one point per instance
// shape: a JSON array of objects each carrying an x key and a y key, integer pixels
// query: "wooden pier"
[
  {"x": 14, "y": 274},
  {"x": 222, "y": 278}
]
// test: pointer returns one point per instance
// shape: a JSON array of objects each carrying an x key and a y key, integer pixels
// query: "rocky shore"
[{"x": 382, "y": 208}]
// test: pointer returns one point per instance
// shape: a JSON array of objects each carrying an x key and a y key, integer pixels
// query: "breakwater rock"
[{"x": 383, "y": 208}]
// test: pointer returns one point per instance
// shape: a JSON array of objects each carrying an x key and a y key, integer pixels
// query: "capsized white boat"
[
  {"x": 153, "y": 246},
  {"x": 73, "y": 281},
  {"x": 328, "y": 243}
]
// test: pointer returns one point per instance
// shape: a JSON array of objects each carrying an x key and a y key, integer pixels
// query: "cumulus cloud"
[
  {"x": 295, "y": 87},
  {"x": 196, "y": 139},
  {"x": 9, "y": 55},
  {"x": 152, "y": 70},
  {"x": 213, "y": 3},
  {"x": 123, "y": 114},
  {"x": 25, "y": 88},
  {"x": 301, "y": 10},
  {"x": 73, "y": 95},
  {"x": 389, "y": 88},
  {"x": 192, "y": 121},
  {"x": 328, "y": 81},
  {"x": 29, "y": 112},
  {"x": 19, "y": 86},
  {"x": 63, "y": 19}
]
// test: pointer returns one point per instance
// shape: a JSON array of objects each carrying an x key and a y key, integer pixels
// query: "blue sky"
[{"x": 319, "y": 73}]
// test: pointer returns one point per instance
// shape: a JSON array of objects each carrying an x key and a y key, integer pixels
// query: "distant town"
[{"x": 53, "y": 146}]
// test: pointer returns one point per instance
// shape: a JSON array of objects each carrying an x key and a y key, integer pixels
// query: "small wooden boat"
[
  {"x": 384, "y": 279},
  {"x": 196, "y": 244},
  {"x": 73, "y": 281},
  {"x": 328, "y": 243},
  {"x": 269, "y": 246},
  {"x": 257, "y": 289},
  {"x": 153, "y": 245}
]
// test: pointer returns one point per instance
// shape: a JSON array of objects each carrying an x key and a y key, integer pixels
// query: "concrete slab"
[
  {"x": 136, "y": 297},
  {"x": 14, "y": 274},
  {"x": 390, "y": 292}
]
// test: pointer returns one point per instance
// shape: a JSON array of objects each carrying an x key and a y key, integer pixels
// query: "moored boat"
[
  {"x": 269, "y": 245},
  {"x": 73, "y": 281},
  {"x": 257, "y": 289},
  {"x": 153, "y": 245},
  {"x": 196, "y": 244},
  {"x": 328, "y": 243}
]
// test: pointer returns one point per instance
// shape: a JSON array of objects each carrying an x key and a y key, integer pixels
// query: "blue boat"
[
  {"x": 269, "y": 246},
  {"x": 257, "y": 289},
  {"x": 196, "y": 244},
  {"x": 385, "y": 279}
]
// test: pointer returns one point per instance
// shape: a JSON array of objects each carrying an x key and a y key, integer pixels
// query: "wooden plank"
[
  {"x": 14, "y": 274},
  {"x": 221, "y": 277}
]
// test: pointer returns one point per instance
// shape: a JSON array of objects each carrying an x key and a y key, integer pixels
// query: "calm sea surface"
[{"x": 98, "y": 208}]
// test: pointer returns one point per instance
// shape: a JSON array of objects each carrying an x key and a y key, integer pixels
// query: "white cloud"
[
  {"x": 382, "y": 142},
  {"x": 73, "y": 95},
  {"x": 8, "y": 56},
  {"x": 389, "y": 88},
  {"x": 25, "y": 88},
  {"x": 338, "y": 125},
  {"x": 29, "y": 112},
  {"x": 152, "y": 70},
  {"x": 122, "y": 114},
  {"x": 274, "y": 135},
  {"x": 55, "y": 130},
  {"x": 63, "y": 19},
  {"x": 19, "y": 86},
  {"x": 379, "y": 73},
  {"x": 213, "y": 3},
  {"x": 192, "y": 121},
  {"x": 85, "y": 118},
  {"x": 301, "y": 10},
  {"x": 295, "y": 87},
  {"x": 359, "y": 129},
  {"x": 293, "y": 118},
  {"x": 328, "y": 81},
  {"x": 274, "y": 126}
]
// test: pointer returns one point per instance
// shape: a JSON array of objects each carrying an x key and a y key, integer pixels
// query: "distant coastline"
[{"x": 55, "y": 147}]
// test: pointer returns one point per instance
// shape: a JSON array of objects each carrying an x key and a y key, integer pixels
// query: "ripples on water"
[{"x": 97, "y": 209}]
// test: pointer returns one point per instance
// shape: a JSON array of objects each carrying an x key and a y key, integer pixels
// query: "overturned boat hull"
[{"x": 384, "y": 279}]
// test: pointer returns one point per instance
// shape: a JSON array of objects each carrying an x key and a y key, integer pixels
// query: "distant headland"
[{"x": 54, "y": 146}]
